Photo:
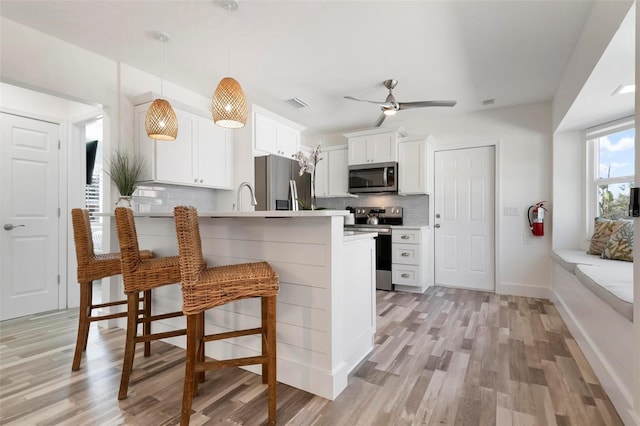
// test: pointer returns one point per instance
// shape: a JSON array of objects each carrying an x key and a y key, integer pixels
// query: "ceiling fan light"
[
  {"x": 229, "y": 104},
  {"x": 161, "y": 122},
  {"x": 389, "y": 111}
]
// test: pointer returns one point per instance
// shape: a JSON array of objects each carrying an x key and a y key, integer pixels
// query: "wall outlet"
[
  {"x": 526, "y": 239},
  {"x": 511, "y": 211}
]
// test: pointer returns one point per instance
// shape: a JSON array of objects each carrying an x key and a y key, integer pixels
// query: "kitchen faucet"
[{"x": 238, "y": 200}]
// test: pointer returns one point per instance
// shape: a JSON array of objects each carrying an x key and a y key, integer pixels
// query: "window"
[
  {"x": 93, "y": 192},
  {"x": 612, "y": 154}
]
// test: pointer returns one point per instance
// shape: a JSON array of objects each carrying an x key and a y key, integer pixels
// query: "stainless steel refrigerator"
[{"x": 272, "y": 176}]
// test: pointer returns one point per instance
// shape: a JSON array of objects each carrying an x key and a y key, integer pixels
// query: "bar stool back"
[
  {"x": 91, "y": 267},
  {"x": 141, "y": 275},
  {"x": 205, "y": 288}
]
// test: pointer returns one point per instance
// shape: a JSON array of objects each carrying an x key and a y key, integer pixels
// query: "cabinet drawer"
[
  {"x": 408, "y": 254},
  {"x": 406, "y": 236},
  {"x": 405, "y": 275}
]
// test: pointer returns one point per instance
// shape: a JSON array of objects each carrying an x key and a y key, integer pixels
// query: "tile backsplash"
[
  {"x": 156, "y": 198},
  {"x": 415, "y": 207}
]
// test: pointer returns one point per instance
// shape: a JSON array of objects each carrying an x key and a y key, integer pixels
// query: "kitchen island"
[{"x": 326, "y": 305}]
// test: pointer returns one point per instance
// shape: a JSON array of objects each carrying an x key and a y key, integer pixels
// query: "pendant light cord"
[
  {"x": 228, "y": 42},
  {"x": 161, "y": 67}
]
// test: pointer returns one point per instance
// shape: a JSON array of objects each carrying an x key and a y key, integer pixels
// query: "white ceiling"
[{"x": 512, "y": 51}]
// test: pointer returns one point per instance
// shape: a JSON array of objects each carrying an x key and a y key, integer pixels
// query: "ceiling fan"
[{"x": 390, "y": 106}]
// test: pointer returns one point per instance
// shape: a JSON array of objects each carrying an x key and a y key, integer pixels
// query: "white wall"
[
  {"x": 569, "y": 202},
  {"x": 524, "y": 177}
]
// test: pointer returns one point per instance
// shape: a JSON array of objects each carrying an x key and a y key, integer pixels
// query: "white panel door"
[
  {"x": 29, "y": 201},
  {"x": 464, "y": 218}
]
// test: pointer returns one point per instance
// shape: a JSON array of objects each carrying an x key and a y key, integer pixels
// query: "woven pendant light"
[
  {"x": 161, "y": 122},
  {"x": 229, "y": 105}
]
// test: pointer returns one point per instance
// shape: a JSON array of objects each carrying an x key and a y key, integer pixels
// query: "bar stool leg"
[
  {"x": 270, "y": 329},
  {"x": 146, "y": 327},
  {"x": 201, "y": 346},
  {"x": 89, "y": 313},
  {"x": 83, "y": 325},
  {"x": 189, "y": 375},
  {"x": 133, "y": 302}
]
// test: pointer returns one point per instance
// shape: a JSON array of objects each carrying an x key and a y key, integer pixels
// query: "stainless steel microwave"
[{"x": 378, "y": 177}]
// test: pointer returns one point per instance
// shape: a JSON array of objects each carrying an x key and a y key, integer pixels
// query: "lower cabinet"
[{"x": 410, "y": 259}]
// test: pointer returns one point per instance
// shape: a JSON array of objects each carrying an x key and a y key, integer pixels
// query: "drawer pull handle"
[
  {"x": 405, "y": 275},
  {"x": 405, "y": 254},
  {"x": 405, "y": 237}
]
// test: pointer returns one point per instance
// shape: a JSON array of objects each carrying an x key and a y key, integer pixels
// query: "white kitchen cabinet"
[
  {"x": 332, "y": 173},
  {"x": 367, "y": 147},
  {"x": 200, "y": 156},
  {"x": 410, "y": 259},
  {"x": 413, "y": 166},
  {"x": 274, "y": 137},
  {"x": 214, "y": 155}
]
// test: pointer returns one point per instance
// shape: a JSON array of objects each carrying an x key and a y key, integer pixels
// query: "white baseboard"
[{"x": 525, "y": 290}]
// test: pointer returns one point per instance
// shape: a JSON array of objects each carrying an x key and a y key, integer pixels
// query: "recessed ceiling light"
[{"x": 624, "y": 89}]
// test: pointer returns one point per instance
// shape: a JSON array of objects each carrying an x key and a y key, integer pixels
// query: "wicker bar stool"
[
  {"x": 92, "y": 267},
  {"x": 205, "y": 288},
  {"x": 141, "y": 276}
]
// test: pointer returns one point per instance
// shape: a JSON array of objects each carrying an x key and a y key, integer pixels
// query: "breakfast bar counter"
[{"x": 326, "y": 304}]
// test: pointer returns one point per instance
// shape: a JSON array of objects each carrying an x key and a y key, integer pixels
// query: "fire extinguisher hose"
[{"x": 529, "y": 218}]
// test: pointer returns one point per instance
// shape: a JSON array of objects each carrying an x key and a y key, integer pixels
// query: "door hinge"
[
  {"x": 58, "y": 279},
  {"x": 58, "y": 211},
  {"x": 58, "y": 144}
]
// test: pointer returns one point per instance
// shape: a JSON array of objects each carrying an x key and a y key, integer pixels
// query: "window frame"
[{"x": 591, "y": 138}]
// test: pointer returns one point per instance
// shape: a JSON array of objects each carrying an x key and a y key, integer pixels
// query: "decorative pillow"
[
  {"x": 620, "y": 245},
  {"x": 602, "y": 231}
]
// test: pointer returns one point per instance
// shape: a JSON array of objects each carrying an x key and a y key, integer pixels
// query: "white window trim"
[{"x": 593, "y": 165}]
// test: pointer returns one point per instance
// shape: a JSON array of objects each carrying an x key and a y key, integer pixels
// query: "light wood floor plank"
[{"x": 447, "y": 357}]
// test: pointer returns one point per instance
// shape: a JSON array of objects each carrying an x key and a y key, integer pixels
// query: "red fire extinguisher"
[{"x": 536, "y": 222}]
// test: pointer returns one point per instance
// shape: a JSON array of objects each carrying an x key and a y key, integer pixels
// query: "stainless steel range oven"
[{"x": 380, "y": 220}]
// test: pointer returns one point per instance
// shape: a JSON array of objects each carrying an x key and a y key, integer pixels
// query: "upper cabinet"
[
  {"x": 200, "y": 156},
  {"x": 414, "y": 176},
  {"x": 332, "y": 173},
  {"x": 273, "y": 134},
  {"x": 373, "y": 146}
]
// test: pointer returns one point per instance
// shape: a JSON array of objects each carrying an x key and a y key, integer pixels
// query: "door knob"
[
  {"x": 9, "y": 226},
  {"x": 437, "y": 225},
  {"x": 437, "y": 215}
]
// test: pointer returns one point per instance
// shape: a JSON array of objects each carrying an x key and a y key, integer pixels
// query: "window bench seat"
[
  {"x": 594, "y": 296},
  {"x": 610, "y": 280}
]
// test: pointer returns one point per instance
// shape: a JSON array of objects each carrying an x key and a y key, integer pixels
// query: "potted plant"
[{"x": 125, "y": 171}]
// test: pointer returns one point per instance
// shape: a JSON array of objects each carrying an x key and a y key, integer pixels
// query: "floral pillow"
[
  {"x": 602, "y": 231},
  {"x": 620, "y": 245}
]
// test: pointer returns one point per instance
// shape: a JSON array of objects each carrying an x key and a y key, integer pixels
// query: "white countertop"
[{"x": 270, "y": 213}]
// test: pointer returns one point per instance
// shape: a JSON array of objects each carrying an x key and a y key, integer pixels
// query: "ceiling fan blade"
[
  {"x": 380, "y": 120},
  {"x": 381, "y": 104},
  {"x": 409, "y": 105}
]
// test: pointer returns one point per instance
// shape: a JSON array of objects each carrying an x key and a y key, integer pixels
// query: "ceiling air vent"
[{"x": 297, "y": 103}]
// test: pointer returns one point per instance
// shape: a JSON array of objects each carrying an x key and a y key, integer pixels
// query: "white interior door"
[
  {"x": 464, "y": 218},
  {"x": 29, "y": 163}
]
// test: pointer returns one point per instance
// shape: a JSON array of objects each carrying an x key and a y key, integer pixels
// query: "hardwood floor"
[{"x": 448, "y": 357}]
